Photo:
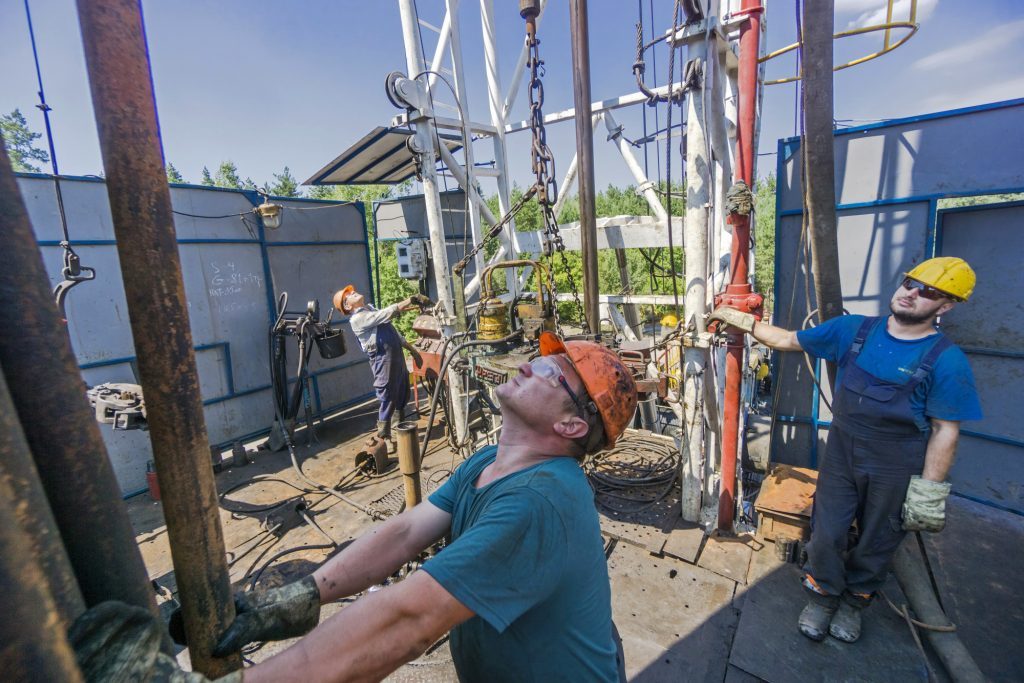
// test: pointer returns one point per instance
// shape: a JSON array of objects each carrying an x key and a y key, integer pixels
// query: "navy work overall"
[
  {"x": 390, "y": 376},
  {"x": 874, "y": 446}
]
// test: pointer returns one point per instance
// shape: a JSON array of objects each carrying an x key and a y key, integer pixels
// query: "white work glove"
[
  {"x": 925, "y": 506},
  {"x": 734, "y": 318}
]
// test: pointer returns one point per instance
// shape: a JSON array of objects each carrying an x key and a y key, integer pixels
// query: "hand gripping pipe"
[
  {"x": 140, "y": 204},
  {"x": 747, "y": 111}
]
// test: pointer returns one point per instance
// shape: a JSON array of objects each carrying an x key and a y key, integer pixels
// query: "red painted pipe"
[{"x": 750, "y": 34}]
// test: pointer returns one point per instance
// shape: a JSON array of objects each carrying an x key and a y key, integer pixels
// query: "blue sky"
[{"x": 273, "y": 84}]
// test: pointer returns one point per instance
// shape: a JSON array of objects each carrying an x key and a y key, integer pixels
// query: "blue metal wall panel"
[{"x": 233, "y": 270}]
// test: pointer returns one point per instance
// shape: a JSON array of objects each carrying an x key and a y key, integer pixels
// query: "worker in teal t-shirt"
[
  {"x": 523, "y": 583},
  {"x": 902, "y": 389}
]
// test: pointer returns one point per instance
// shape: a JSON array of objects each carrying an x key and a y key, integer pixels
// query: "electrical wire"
[{"x": 635, "y": 475}]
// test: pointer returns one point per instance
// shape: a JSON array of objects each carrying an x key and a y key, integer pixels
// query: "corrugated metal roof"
[{"x": 381, "y": 156}]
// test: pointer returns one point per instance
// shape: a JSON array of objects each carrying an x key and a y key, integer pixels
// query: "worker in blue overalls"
[
  {"x": 902, "y": 389},
  {"x": 383, "y": 344}
]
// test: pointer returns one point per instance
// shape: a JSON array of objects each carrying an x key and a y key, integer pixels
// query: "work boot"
[
  {"x": 845, "y": 625},
  {"x": 815, "y": 618},
  {"x": 384, "y": 432}
]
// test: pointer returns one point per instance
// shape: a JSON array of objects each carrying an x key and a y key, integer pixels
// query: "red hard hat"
[{"x": 608, "y": 381}]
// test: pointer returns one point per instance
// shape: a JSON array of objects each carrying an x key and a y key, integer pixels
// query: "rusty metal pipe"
[
  {"x": 580, "y": 30},
  {"x": 140, "y": 204},
  {"x": 409, "y": 463},
  {"x": 59, "y": 427},
  {"x": 32, "y": 510},
  {"x": 740, "y": 255},
  {"x": 35, "y": 647}
]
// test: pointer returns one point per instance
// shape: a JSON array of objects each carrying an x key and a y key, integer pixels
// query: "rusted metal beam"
[
  {"x": 140, "y": 203},
  {"x": 35, "y": 647},
  {"x": 32, "y": 510},
  {"x": 59, "y": 427}
]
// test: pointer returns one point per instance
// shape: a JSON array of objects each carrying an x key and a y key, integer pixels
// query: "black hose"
[{"x": 444, "y": 368}]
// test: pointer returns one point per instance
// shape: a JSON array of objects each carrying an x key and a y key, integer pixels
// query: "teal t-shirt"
[{"x": 527, "y": 557}]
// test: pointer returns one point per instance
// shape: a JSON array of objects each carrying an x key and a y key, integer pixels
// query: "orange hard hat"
[
  {"x": 339, "y": 298},
  {"x": 608, "y": 381}
]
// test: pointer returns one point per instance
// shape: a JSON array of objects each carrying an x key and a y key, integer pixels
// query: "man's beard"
[{"x": 911, "y": 318}]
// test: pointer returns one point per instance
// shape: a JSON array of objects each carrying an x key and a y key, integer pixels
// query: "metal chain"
[{"x": 543, "y": 165}]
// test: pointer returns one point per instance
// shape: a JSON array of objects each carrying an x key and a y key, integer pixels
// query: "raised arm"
[{"x": 770, "y": 335}]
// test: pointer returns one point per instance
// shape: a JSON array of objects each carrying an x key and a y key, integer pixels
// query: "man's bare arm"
[
  {"x": 381, "y": 551},
  {"x": 941, "y": 452},
  {"x": 776, "y": 337},
  {"x": 370, "y": 638}
]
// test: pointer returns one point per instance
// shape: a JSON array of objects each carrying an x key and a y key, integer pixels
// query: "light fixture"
[{"x": 270, "y": 214}]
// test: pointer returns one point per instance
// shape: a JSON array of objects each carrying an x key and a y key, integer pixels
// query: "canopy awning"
[{"x": 382, "y": 156}]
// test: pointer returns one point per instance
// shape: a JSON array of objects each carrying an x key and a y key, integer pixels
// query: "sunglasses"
[
  {"x": 548, "y": 369},
  {"x": 924, "y": 290}
]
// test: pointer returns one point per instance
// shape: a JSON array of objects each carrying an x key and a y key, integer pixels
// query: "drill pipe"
[
  {"x": 34, "y": 645},
  {"x": 409, "y": 463},
  {"x": 59, "y": 426},
  {"x": 140, "y": 204},
  {"x": 32, "y": 510}
]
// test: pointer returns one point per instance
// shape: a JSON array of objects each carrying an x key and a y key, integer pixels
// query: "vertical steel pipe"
[
  {"x": 409, "y": 463},
  {"x": 746, "y": 109},
  {"x": 59, "y": 426},
  {"x": 32, "y": 510},
  {"x": 819, "y": 171},
  {"x": 140, "y": 203},
  {"x": 580, "y": 29},
  {"x": 35, "y": 647}
]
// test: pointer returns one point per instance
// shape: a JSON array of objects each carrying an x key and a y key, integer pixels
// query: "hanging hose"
[{"x": 444, "y": 368}]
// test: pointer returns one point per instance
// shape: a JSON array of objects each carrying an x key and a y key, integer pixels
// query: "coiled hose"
[{"x": 635, "y": 475}]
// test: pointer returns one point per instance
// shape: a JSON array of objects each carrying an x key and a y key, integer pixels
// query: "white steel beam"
[
  {"x": 643, "y": 184},
  {"x": 614, "y": 232},
  {"x": 447, "y": 123},
  {"x": 595, "y": 108}
]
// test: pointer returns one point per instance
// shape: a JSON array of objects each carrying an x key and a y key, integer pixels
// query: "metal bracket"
[{"x": 410, "y": 94}]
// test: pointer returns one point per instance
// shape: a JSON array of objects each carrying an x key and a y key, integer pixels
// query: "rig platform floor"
[{"x": 689, "y": 607}]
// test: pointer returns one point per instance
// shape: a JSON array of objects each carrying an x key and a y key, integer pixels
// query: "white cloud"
[
  {"x": 992, "y": 41},
  {"x": 966, "y": 96},
  {"x": 874, "y": 12}
]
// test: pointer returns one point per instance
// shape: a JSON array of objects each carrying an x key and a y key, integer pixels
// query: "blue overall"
[
  {"x": 390, "y": 376},
  {"x": 875, "y": 444}
]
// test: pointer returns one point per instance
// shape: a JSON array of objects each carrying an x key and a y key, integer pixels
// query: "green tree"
[
  {"x": 285, "y": 184},
  {"x": 764, "y": 241},
  {"x": 207, "y": 178},
  {"x": 173, "y": 175},
  {"x": 20, "y": 142},
  {"x": 227, "y": 176}
]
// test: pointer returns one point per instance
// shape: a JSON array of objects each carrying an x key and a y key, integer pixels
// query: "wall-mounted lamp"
[{"x": 270, "y": 214}]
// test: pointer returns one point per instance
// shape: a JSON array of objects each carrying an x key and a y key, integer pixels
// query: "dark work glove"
[
  {"x": 277, "y": 614},
  {"x": 421, "y": 300},
  {"x": 114, "y": 641}
]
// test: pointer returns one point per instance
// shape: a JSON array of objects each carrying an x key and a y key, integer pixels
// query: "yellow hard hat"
[
  {"x": 669, "y": 321},
  {"x": 948, "y": 274}
]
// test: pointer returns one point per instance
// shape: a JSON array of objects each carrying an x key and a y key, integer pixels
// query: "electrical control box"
[{"x": 412, "y": 259}]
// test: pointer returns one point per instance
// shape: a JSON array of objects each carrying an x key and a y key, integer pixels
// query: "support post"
[
  {"x": 698, "y": 183},
  {"x": 425, "y": 136},
  {"x": 818, "y": 176},
  {"x": 409, "y": 463},
  {"x": 497, "y": 109},
  {"x": 59, "y": 428},
  {"x": 580, "y": 29},
  {"x": 117, "y": 62},
  {"x": 739, "y": 285}
]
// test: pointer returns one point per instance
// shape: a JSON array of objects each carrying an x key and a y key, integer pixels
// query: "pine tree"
[
  {"x": 173, "y": 176},
  {"x": 227, "y": 176},
  {"x": 207, "y": 178},
  {"x": 285, "y": 184},
  {"x": 19, "y": 140}
]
